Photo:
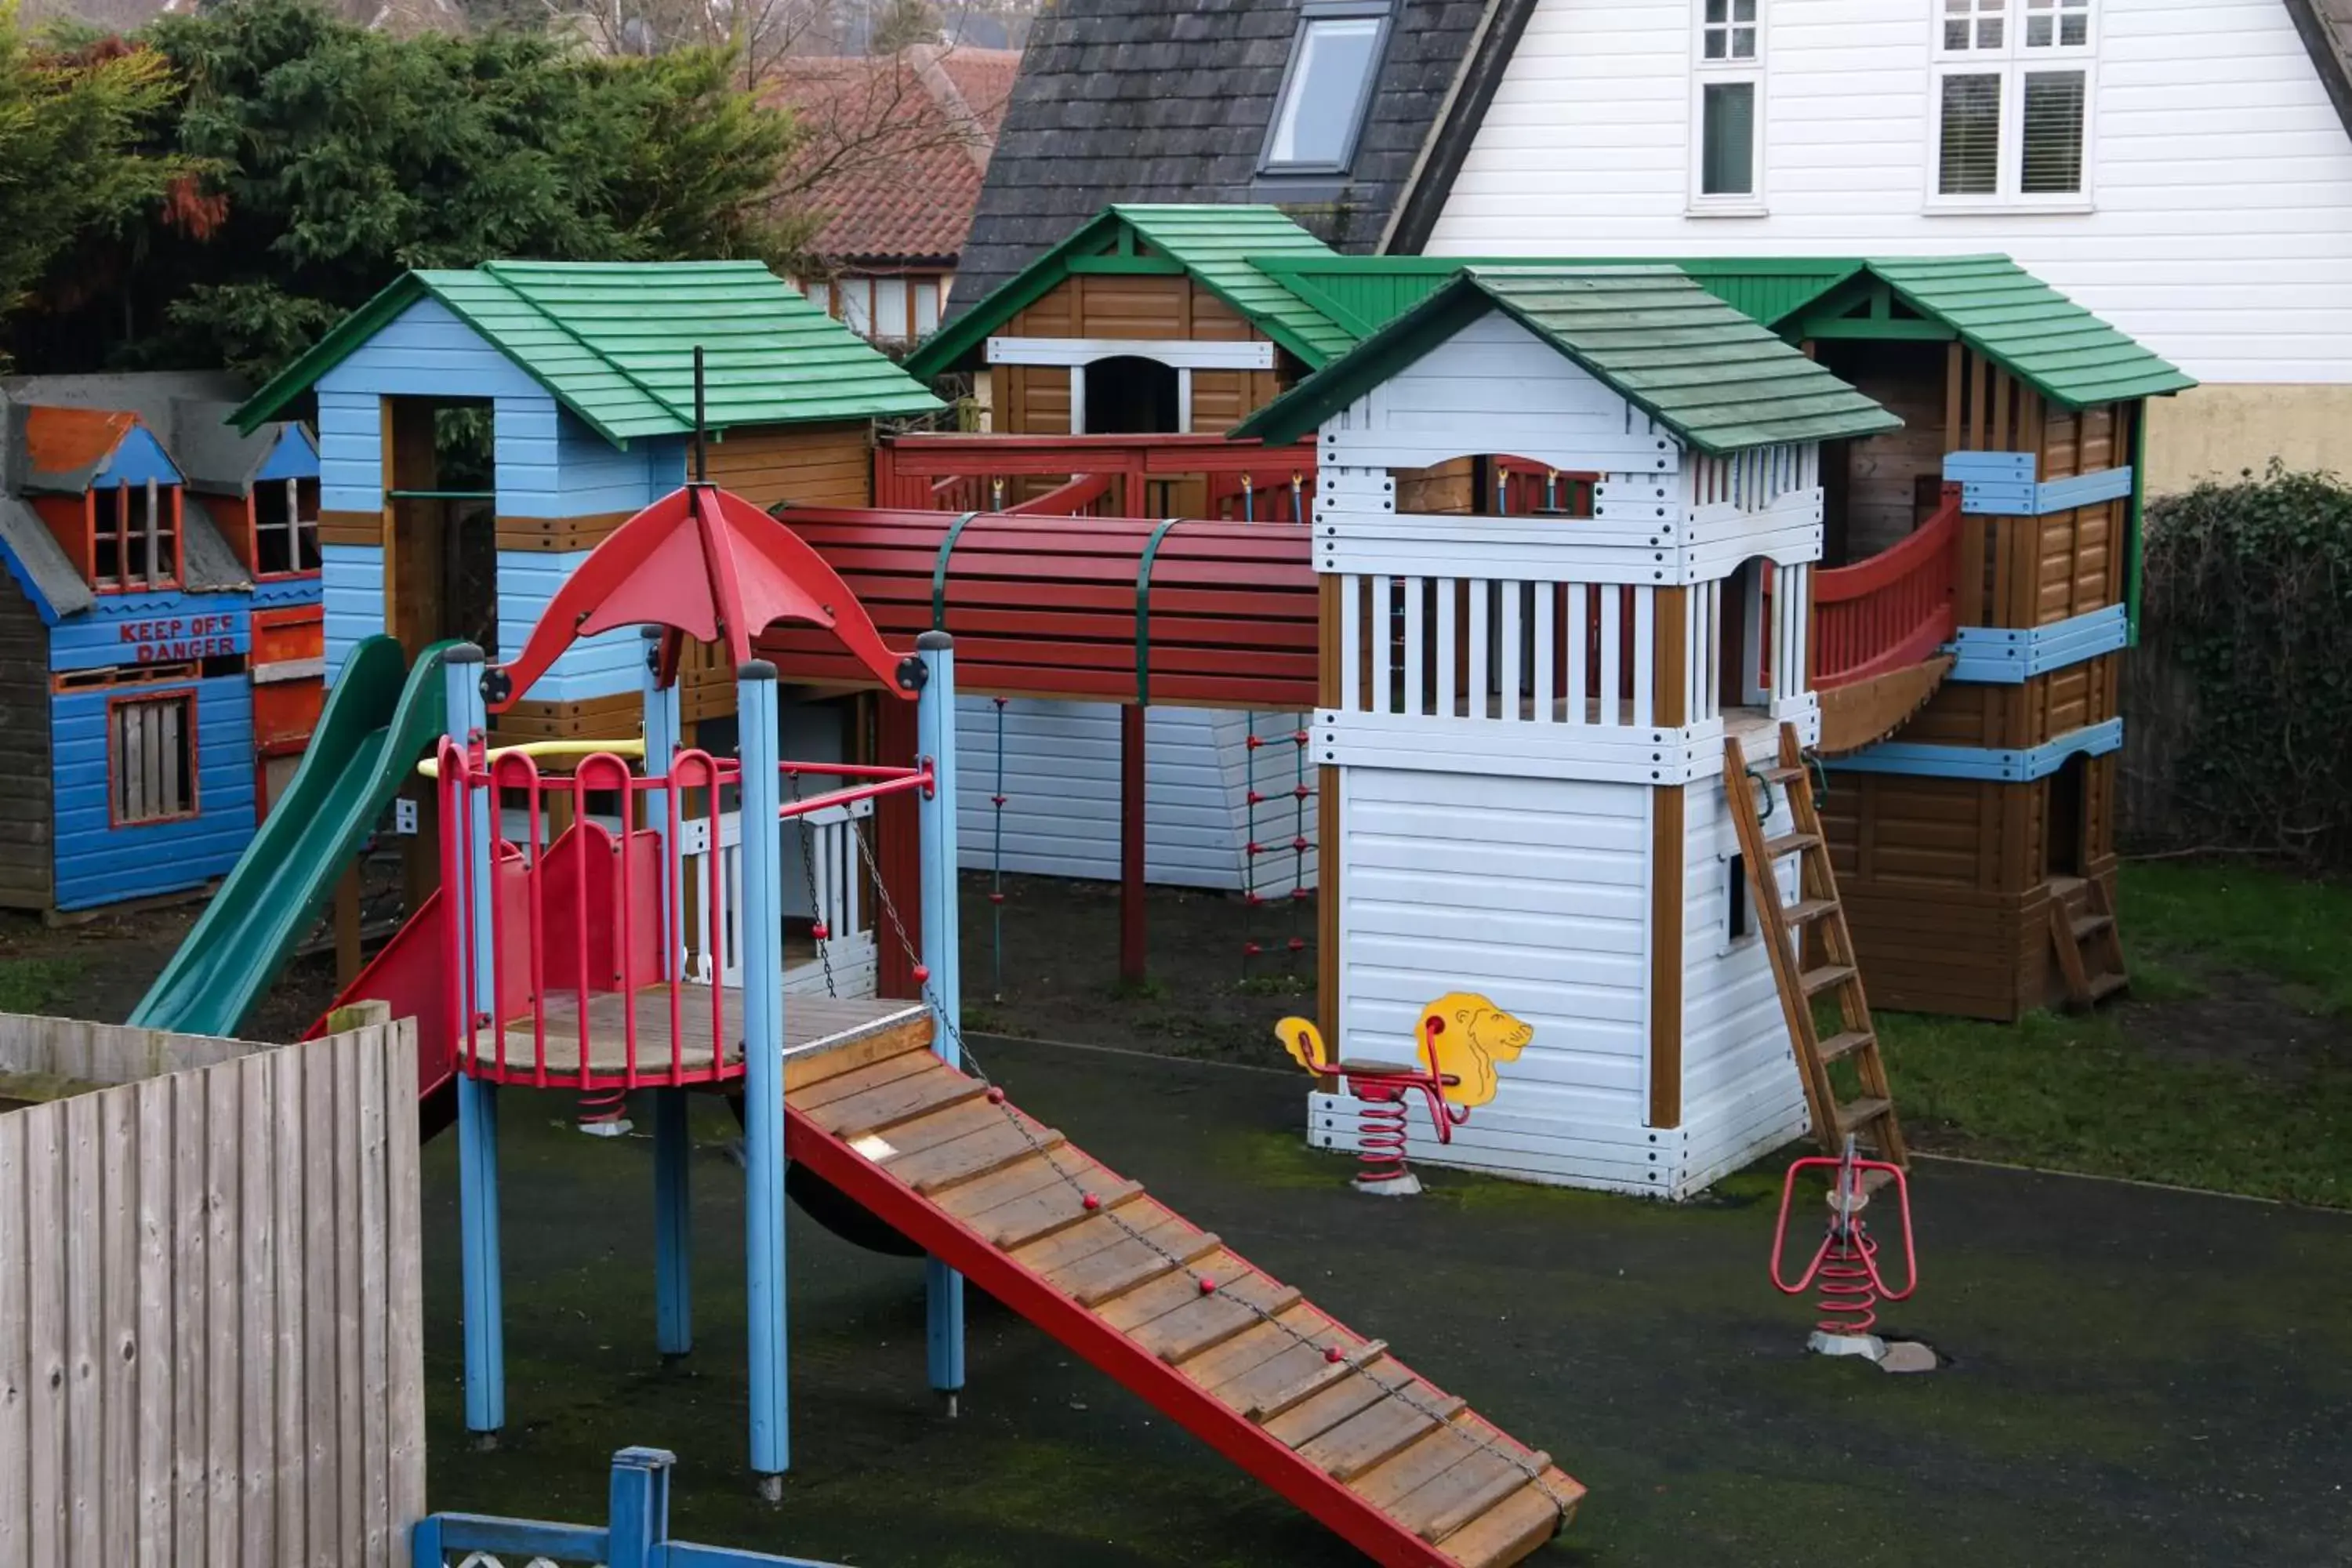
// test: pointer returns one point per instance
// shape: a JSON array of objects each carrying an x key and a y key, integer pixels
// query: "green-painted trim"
[
  {"x": 1862, "y": 329},
  {"x": 1143, "y": 611},
  {"x": 944, "y": 349},
  {"x": 1126, "y": 267},
  {"x": 939, "y": 571},
  {"x": 355, "y": 329}
]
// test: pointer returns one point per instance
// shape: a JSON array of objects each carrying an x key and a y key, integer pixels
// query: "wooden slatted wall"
[{"x": 211, "y": 1350}]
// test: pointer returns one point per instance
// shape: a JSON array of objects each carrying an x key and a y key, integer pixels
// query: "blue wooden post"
[
  {"x": 935, "y": 738},
  {"x": 478, "y": 1102},
  {"x": 673, "y": 1147},
  {"x": 762, "y": 888},
  {"x": 637, "y": 1506}
]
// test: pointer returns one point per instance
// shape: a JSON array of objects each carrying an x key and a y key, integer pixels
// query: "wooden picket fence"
[{"x": 211, "y": 1348}]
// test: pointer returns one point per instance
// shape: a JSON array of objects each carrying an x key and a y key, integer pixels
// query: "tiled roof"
[
  {"x": 1140, "y": 101},
  {"x": 1215, "y": 245},
  {"x": 894, "y": 149},
  {"x": 615, "y": 343},
  {"x": 1719, "y": 379}
]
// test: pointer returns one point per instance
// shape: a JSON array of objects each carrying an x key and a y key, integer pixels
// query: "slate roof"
[
  {"x": 615, "y": 343},
  {"x": 2326, "y": 27},
  {"x": 1140, "y": 101},
  {"x": 1720, "y": 380},
  {"x": 896, "y": 145},
  {"x": 38, "y": 563},
  {"x": 1218, "y": 246}
]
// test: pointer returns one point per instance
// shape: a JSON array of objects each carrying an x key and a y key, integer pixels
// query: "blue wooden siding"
[
  {"x": 592, "y": 667},
  {"x": 97, "y": 864},
  {"x": 285, "y": 593},
  {"x": 350, "y": 449},
  {"x": 354, "y": 598},
  {"x": 292, "y": 457},
  {"x": 137, "y": 458},
  {"x": 173, "y": 626},
  {"x": 550, "y": 464},
  {"x": 427, "y": 351}
]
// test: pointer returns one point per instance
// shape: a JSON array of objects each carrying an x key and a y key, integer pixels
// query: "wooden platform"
[
  {"x": 1324, "y": 1416},
  {"x": 813, "y": 1026}
]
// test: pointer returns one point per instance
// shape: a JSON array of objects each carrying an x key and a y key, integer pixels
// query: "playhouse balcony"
[{"x": 612, "y": 954}]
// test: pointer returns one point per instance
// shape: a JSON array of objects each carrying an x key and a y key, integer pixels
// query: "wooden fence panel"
[{"x": 211, "y": 1351}]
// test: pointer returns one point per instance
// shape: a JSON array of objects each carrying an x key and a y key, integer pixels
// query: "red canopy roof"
[{"x": 706, "y": 565}]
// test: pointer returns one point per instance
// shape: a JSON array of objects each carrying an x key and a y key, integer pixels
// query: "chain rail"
[
  {"x": 820, "y": 928},
  {"x": 1208, "y": 1285}
]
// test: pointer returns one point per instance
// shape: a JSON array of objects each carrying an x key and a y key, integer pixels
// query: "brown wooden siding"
[
  {"x": 27, "y": 813},
  {"x": 2011, "y": 717},
  {"x": 1884, "y": 478},
  {"x": 804, "y": 465},
  {"x": 1034, "y": 400}
]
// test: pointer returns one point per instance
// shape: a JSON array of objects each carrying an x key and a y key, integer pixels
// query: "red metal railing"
[
  {"x": 601, "y": 911},
  {"x": 1891, "y": 610}
]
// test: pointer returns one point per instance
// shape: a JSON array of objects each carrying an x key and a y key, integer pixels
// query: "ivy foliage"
[
  {"x": 338, "y": 157},
  {"x": 71, "y": 162},
  {"x": 2249, "y": 593}
]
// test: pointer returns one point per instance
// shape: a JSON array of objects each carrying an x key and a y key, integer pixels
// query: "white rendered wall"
[{"x": 2221, "y": 177}]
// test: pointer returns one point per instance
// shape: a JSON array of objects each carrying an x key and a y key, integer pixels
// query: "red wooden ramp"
[{"x": 1402, "y": 1470}]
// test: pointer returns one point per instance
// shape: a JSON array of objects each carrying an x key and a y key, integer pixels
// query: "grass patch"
[
  {"x": 2077, "y": 1093},
  {"x": 32, "y": 984},
  {"x": 2246, "y": 918}
]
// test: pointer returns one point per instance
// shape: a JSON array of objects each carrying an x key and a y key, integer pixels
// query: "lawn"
[{"x": 2230, "y": 1068}]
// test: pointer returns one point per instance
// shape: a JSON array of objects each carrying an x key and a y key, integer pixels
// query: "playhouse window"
[
  {"x": 151, "y": 758},
  {"x": 285, "y": 527},
  {"x": 1320, "y": 110},
  {"x": 2013, "y": 102},
  {"x": 1728, "y": 87},
  {"x": 134, "y": 536}
]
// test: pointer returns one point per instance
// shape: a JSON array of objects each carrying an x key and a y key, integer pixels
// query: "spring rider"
[
  {"x": 1457, "y": 1041},
  {"x": 1845, "y": 1266}
]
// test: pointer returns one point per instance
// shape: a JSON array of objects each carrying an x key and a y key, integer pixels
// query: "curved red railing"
[
  {"x": 1895, "y": 609},
  {"x": 597, "y": 912}
]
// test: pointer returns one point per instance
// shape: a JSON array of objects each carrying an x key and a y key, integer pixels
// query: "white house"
[
  {"x": 1529, "y": 737},
  {"x": 2184, "y": 171}
]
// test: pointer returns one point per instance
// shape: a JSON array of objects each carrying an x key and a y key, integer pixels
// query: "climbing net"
[{"x": 1291, "y": 926}]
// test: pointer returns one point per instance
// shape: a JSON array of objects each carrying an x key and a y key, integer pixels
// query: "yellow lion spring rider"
[{"x": 1457, "y": 1041}]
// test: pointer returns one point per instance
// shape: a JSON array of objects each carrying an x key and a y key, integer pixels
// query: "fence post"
[
  {"x": 763, "y": 967},
  {"x": 478, "y": 1102},
  {"x": 935, "y": 739},
  {"x": 673, "y": 1244},
  {"x": 638, "y": 1509}
]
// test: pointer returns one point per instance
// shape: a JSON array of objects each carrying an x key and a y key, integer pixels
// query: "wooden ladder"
[
  {"x": 1870, "y": 1117},
  {"x": 2090, "y": 949},
  {"x": 1329, "y": 1418}
]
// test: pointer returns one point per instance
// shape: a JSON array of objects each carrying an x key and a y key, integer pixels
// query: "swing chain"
[{"x": 822, "y": 928}]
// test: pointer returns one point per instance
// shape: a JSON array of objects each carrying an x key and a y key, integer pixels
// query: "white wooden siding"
[
  {"x": 1062, "y": 793},
  {"x": 1532, "y": 892},
  {"x": 1739, "y": 1077},
  {"x": 2222, "y": 178}
]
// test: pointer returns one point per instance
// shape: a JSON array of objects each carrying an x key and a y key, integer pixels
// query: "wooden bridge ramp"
[{"x": 1326, "y": 1417}]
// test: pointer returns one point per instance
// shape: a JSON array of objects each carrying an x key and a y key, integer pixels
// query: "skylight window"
[{"x": 1319, "y": 113}]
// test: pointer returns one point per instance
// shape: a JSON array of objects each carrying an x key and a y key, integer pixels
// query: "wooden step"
[
  {"x": 1317, "y": 1414},
  {"x": 1471, "y": 1487},
  {"x": 1213, "y": 1316},
  {"x": 1804, "y": 911},
  {"x": 1789, "y": 843},
  {"x": 929, "y": 1130},
  {"x": 1829, "y": 975},
  {"x": 1775, "y": 774},
  {"x": 1380, "y": 1431},
  {"x": 1097, "y": 1230},
  {"x": 1243, "y": 1377},
  {"x": 1839, "y": 1047},
  {"x": 1433, "y": 1455},
  {"x": 1056, "y": 1206},
  {"x": 1859, "y": 1113},
  {"x": 1115, "y": 1271},
  {"x": 969, "y": 1158},
  {"x": 858, "y": 1081},
  {"x": 2085, "y": 927},
  {"x": 906, "y": 1099},
  {"x": 1302, "y": 1389},
  {"x": 2105, "y": 985},
  {"x": 1514, "y": 1527}
]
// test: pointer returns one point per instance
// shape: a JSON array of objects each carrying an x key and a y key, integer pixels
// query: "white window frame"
[
  {"x": 1706, "y": 73},
  {"x": 1382, "y": 14},
  {"x": 2013, "y": 62}
]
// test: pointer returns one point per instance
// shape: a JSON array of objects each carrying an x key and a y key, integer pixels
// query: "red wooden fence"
[{"x": 1891, "y": 610}]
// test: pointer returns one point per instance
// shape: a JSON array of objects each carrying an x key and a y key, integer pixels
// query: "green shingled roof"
[
  {"x": 1213, "y": 245},
  {"x": 1715, "y": 378},
  {"x": 615, "y": 343},
  {"x": 2028, "y": 328}
]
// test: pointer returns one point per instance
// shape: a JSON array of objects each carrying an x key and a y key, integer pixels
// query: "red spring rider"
[
  {"x": 1458, "y": 1039},
  {"x": 1844, "y": 1268}
]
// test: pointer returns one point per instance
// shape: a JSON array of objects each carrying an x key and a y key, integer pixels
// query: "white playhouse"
[{"x": 1524, "y": 732}]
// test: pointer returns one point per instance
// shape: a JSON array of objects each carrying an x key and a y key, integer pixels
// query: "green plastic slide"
[{"x": 375, "y": 727}]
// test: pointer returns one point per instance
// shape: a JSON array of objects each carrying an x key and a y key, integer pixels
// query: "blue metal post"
[
  {"x": 763, "y": 1072},
  {"x": 934, "y": 737},
  {"x": 637, "y": 1506},
  {"x": 673, "y": 1147},
  {"x": 478, "y": 1102}
]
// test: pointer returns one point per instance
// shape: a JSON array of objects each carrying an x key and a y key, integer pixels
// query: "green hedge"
[{"x": 2248, "y": 598}]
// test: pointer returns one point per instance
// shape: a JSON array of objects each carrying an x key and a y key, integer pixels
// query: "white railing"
[
  {"x": 832, "y": 864},
  {"x": 1513, "y": 652}
]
